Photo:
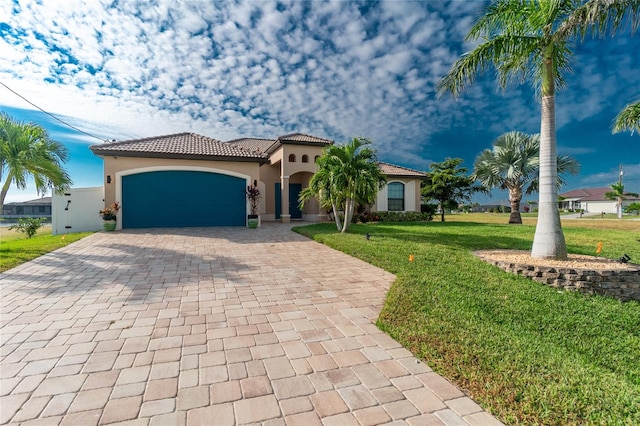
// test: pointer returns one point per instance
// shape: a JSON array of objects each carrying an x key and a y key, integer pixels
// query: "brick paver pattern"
[{"x": 215, "y": 326}]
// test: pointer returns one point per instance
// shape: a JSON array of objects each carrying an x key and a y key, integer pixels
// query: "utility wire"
[{"x": 49, "y": 114}]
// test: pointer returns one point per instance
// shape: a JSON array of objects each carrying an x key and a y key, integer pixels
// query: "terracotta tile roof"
[
  {"x": 587, "y": 194},
  {"x": 392, "y": 170},
  {"x": 253, "y": 144},
  {"x": 179, "y": 145},
  {"x": 292, "y": 138},
  {"x": 304, "y": 139}
]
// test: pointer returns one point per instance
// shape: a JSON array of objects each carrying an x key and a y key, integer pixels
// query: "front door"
[{"x": 294, "y": 206}]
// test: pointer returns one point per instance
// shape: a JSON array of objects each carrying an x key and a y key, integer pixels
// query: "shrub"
[
  {"x": 28, "y": 226},
  {"x": 429, "y": 208},
  {"x": 365, "y": 217},
  {"x": 404, "y": 216}
]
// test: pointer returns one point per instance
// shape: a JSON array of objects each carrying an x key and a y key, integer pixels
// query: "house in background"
[
  {"x": 186, "y": 180},
  {"x": 40, "y": 207},
  {"x": 592, "y": 200}
]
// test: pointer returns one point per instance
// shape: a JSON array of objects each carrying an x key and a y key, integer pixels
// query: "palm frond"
[
  {"x": 501, "y": 52},
  {"x": 513, "y": 163},
  {"x": 601, "y": 17},
  {"x": 628, "y": 119},
  {"x": 502, "y": 16}
]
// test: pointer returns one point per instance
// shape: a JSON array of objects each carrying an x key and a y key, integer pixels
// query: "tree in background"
[
  {"x": 27, "y": 151},
  {"x": 617, "y": 194},
  {"x": 532, "y": 40},
  {"x": 513, "y": 164},
  {"x": 347, "y": 175},
  {"x": 448, "y": 184},
  {"x": 633, "y": 208},
  {"x": 628, "y": 119}
]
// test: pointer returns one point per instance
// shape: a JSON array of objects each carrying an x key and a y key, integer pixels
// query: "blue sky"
[{"x": 337, "y": 69}]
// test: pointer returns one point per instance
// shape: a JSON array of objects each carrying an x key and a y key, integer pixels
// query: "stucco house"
[
  {"x": 592, "y": 200},
  {"x": 40, "y": 207},
  {"x": 185, "y": 179}
]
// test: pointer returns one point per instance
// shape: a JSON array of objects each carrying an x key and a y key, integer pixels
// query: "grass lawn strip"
[
  {"x": 527, "y": 352},
  {"x": 16, "y": 249}
]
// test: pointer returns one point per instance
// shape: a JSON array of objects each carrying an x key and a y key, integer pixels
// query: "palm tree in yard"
[
  {"x": 347, "y": 175},
  {"x": 27, "y": 151},
  {"x": 617, "y": 194},
  {"x": 628, "y": 119},
  {"x": 321, "y": 186},
  {"x": 513, "y": 164},
  {"x": 532, "y": 40}
]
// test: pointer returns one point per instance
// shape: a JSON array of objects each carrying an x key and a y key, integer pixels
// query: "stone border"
[{"x": 622, "y": 284}]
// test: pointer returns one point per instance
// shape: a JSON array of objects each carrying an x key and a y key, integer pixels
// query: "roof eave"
[
  {"x": 293, "y": 142},
  {"x": 177, "y": 156},
  {"x": 406, "y": 176}
]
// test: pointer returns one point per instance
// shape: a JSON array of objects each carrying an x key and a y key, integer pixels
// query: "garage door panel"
[{"x": 182, "y": 199}]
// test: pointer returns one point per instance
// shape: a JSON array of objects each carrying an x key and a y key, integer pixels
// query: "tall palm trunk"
[
  {"x": 548, "y": 241},
  {"x": 515, "y": 196},
  {"x": 620, "y": 207},
  {"x": 5, "y": 189},
  {"x": 348, "y": 213},
  {"x": 336, "y": 216}
]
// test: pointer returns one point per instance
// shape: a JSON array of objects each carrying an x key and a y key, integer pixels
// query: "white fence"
[{"x": 77, "y": 210}]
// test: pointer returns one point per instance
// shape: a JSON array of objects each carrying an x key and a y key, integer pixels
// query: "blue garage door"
[{"x": 182, "y": 199}]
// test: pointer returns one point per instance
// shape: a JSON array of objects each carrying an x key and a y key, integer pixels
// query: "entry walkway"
[{"x": 209, "y": 326}]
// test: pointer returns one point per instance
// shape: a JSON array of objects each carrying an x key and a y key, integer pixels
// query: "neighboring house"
[
  {"x": 592, "y": 200},
  {"x": 40, "y": 207},
  {"x": 185, "y": 179}
]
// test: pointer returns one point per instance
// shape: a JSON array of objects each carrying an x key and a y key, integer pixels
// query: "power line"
[{"x": 49, "y": 114}]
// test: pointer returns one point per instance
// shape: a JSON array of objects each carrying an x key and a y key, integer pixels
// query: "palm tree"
[
  {"x": 617, "y": 194},
  {"x": 321, "y": 186},
  {"x": 513, "y": 164},
  {"x": 531, "y": 40},
  {"x": 628, "y": 119},
  {"x": 347, "y": 175},
  {"x": 27, "y": 151}
]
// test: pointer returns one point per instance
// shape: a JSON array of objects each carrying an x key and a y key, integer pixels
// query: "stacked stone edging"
[{"x": 623, "y": 284}]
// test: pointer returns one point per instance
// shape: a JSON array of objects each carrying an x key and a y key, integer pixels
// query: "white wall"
[
  {"x": 600, "y": 206},
  {"x": 77, "y": 210},
  {"x": 382, "y": 201},
  {"x": 409, "y": 198}
]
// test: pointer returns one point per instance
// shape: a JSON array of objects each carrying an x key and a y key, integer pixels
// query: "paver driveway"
[{"x": 209, "y": 326}]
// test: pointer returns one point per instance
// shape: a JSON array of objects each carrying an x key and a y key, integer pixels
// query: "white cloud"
[{"x": 242, "y": 68}]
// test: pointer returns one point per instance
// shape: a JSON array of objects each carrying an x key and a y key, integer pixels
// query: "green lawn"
[
  {"x": 16, "y": 249},
  {"x": 527, "y": 352}
]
